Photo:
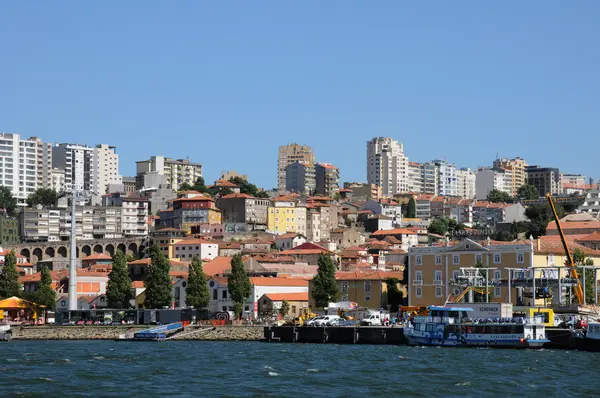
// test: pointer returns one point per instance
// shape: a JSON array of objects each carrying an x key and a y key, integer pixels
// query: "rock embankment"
[{"x": 220, "y": 333}]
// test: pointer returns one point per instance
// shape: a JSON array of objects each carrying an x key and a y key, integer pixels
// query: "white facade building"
[
  {"x": 465, "y": 183},
  {"x": 175, "y": 171},
  {"x": 414, "y": 177},
  {"x": 134, "y": 217},
  {"x": 107, "y": 165},
  {"x": 220, "y": 299},
  {"x": 187, "y": 249},
  {"x": 446, "y": 178},
  {"x": 487, "y": 180},
  {"x": 387, "y": 166},
  {"x": 79, "y": 166},
  {"x": 25, "y": 164}
]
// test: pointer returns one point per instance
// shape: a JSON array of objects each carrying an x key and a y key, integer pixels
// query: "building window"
[
  {"x": 520, "y": 258},
  {"x": 215, "y": 294},
  {"x": 456, "y": 259},
  {"x": 224, "y": 295},
  {"x": 497, "y": 258},
  {"x": 497, "y": 275},
  {"x": 418, "y": 260},
  {"x": 438, "y": 292},
  {"x": 478, "y": 258},
  {"x": 367, "y": 286},
  {"x": 419, "y": 292},
  {"x": 498, "y": 291},
  {"x": 438, "y": 260},
  {"x": 438, "y": 276},
  {"x": 344, "y": 286},
  {"x": 418, "y": 275}
]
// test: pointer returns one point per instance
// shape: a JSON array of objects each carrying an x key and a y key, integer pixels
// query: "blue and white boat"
[{"x": 452, "y": 327}]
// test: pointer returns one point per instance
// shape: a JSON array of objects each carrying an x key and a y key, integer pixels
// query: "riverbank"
[{"x": 220, "y": 333}]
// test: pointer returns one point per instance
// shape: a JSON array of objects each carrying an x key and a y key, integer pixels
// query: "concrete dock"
[{"x": 335, "y": 335}]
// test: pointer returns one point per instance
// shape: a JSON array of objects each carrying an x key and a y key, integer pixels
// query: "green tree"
[
  {"x": 411, "y": 211},
  {"x": 527, "y": 192},
  {"x": 185, "y": 187},
  {"x": 159, "y": 292},
  {"x": 118, "y": 291},
  {"x": 394, "y": 294},
  {"x": 324, "y": 286},
  {"x": 438, "y": 226},
  {"x": 44, "y": 293},
  {"x": 579, "y": 259},
  {"x": 266, "y": 310},
  {"x": 539, "y": 216},
  {"x": 43, "y": 196},
  {"x": 9, "y": 278},
  {"x": 7, "y": 201},
  {"x": 238, "y": 284},
  {"x": 220, "y": 191},
  {"x": 247, "y": 188},
  {"x": 285, "y": 308},
  {"x": 497, "y": 196},
  {"x": 197, "y": 294}
]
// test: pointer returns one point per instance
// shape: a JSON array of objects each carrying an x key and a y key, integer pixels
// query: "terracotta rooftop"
[
  {"x": 395, "y": 231},
  {"x": 217, "y": 266},
  {"x": 225, "y": 183},
  {"x": 306, "y": 248},
  {"x": 575, "y": 225},
  {"x": 237, "y": 196},
  {"x": 593, "y": 237},
  {"x": 98, "y": 256},
  {"x": 287, "y": 296}
]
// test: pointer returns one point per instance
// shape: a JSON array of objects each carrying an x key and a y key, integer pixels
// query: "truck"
[{"x": 487, "y": 310}]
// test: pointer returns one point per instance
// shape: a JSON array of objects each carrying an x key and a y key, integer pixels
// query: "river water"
[{"x": 187, "y": 368}]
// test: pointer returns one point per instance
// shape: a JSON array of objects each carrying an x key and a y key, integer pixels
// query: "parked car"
[
  {"x": 324, "y": 320},
  {"x": 311, "y": 322},
  {"x": 337, "y": 322},
  {"x": 373, "y": 320}
]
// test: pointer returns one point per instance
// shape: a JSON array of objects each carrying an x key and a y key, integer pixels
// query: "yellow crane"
[{"x": 569, "y": 261}]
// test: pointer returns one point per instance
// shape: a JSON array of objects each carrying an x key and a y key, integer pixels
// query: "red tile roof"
[
  {"x": 266, "y": 281},
  {"x": 98, "y": 256},
  {"x": 306, "y": 248},
  {"x": 217, "y": 266},
  {"x": 225, "y": 183},
  {"x": 395, "y": 231},
  {"x": 237, "y": 196},
  {"x": 593, "y": 237},
  {"x": 287, "y": 296},
  {"x": 575, "y": 225}
]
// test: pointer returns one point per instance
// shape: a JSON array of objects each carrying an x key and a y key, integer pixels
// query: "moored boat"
[
  {"x": 453, "y": 327},
  {"x": 588, "y": 340},
  {"x": 5, "y": 333}
]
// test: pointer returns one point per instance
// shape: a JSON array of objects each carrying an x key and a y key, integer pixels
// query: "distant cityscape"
[{"x": 403, "y": 210}]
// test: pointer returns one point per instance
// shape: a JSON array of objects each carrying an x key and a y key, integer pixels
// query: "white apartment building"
[
  {"x": 430, "y": 179},
  {"x": 107, "y": 165},
  {"x": 134, "y": 216},
  {"x": 79, "y": 166},
  {"x": 57, "y": 179},
  {"x": 25, "y": 164},
  {"x": 175, "y": 171},
  {"x": 487, "y": 180},
  {"x": 187, "y": 249},
  {"x": 465, "y": 183},
  {"x": 387, "y": 166},
  {"x": 414, "y": 177},
  {"x": 446, "y": 178}
]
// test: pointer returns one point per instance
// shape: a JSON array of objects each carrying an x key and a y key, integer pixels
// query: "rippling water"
[{"x": 106, "y": 368}]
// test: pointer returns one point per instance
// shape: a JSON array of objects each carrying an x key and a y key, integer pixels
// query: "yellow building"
[
  {"x": 166, "y": 238},
  {"x": 432, "y": 269},
  {"x": 367, "y": 289},
  {"x": 285, "y": 215}
]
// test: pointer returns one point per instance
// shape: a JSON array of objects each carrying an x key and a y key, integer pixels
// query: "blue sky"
[{"x": 226, "y": 83}]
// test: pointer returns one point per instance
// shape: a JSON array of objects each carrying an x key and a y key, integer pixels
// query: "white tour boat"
[{"x": 452, "y": 327}]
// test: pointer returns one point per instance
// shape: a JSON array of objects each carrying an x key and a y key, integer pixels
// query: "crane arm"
[{"x": 569, "y": 263}]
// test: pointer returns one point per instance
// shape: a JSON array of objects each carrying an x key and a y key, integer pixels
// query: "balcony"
[
  {"x": 437, "y": 282},
  {"x": 418, "y": 282}
]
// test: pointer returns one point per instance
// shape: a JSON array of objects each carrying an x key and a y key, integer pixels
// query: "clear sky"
[{"x": 226, "y": 82}]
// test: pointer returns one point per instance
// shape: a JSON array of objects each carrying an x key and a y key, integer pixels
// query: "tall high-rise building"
[
  {"x": 446, "y": 178},
  {"x": 518, "y": 168},
  {"x": 175, "y": 171},
  {"x": 289, "y": 154},
  {"x": 327, "y": 178},
  {"x": 465, "y": 183},
  {"x": 545, "y": 179},
  {"x": 488, "y": 180},
  {"x": 301, "y": 178},
  {"x": 414, "y": 177},
  {"x": 25, "y": 165},
  {"x": 107, "y": 166},
  {"x": 387, "y": 166},
  {"x": 79, "y": 165}
]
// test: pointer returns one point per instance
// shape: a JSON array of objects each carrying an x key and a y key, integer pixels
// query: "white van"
[{"x": 374, "y": 319}]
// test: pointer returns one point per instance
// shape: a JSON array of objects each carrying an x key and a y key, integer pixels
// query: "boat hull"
[
  {"x": 586, "y": 344},
  {"x": 473, "y": 340}
]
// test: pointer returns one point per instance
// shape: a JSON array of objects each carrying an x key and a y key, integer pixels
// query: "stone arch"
[
  {"x": 25, "y": 252},
  {"x": 122, "y": 248},
  {"x": 49, "y": 253},
  {"x": 38, "y": 255},
  {"x": 62, "y": 252},
  {"x": 87, "y": 250},
  {"x": 110, "y": 249},
  {"x": 132, "y": 249},
  {"x": 98, "y": 249}
]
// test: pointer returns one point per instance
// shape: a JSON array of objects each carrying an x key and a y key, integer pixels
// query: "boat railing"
[{"x": 436, "y": 319}]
